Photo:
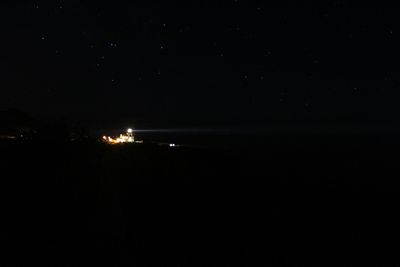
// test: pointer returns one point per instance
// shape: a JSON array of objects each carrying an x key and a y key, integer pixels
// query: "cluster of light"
[
  {"x": 122, "y": 139},
  {"x": 172, "y": 145}
]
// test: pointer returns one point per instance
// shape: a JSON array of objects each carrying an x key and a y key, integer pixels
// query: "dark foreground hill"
[{"x": 280, "y": 202}]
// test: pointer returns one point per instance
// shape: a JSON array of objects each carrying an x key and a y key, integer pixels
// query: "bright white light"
[
  {"x": 172, "y": 145},
  {"x": 122, "y": 139}
]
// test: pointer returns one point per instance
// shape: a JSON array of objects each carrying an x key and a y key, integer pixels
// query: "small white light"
[
  {"x": 172, "y": 145},
  {"x": 130, "y": 130}
]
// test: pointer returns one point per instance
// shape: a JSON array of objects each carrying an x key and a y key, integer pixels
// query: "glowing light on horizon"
[{"x": 122, "y": 139}]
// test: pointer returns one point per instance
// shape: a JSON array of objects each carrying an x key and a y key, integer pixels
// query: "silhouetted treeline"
[
  {"x": 15, "y": 122},
  {"x": 20, "y": 125}
]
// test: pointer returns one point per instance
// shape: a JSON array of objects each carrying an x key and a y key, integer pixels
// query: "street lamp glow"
[{"x": 130, "y": 130}]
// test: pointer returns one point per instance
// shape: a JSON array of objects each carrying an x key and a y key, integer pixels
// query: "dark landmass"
[{"x": 317, "y": 201}]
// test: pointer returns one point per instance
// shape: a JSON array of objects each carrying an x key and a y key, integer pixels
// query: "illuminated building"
[{"x": 128, "y": 137}]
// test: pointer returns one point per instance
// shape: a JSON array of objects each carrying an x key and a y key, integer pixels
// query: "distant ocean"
[{"x": 243, "y": 137}]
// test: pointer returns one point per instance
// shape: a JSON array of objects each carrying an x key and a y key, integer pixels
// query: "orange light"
[{"x": 123, "y": 138}]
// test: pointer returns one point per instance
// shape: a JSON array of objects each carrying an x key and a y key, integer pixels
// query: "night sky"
[{"x": 198, "y": 63}]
